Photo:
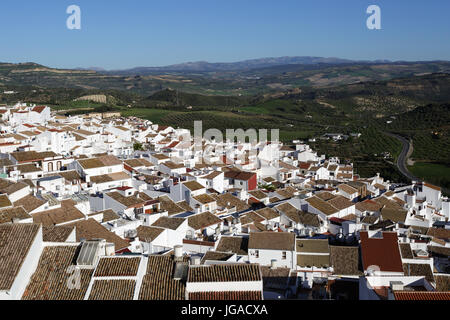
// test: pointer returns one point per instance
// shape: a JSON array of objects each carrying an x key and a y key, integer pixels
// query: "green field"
[{"x": 435, "y": 173}]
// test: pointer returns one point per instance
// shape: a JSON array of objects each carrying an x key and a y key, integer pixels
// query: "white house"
[{"x": 264, "y": 247}]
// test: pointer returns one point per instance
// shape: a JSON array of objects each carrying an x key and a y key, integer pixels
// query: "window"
[
  {"x": 257, "y": 253},
  {"x": 283, "y": 255}
]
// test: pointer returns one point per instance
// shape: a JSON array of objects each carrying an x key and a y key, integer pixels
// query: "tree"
[{"x": 138, "y": 146}]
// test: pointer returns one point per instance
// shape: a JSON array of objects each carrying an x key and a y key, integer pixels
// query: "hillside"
[{"x": 262, "y": 77}]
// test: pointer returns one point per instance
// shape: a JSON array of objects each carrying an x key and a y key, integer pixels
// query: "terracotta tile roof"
[
  {"x": 70, "y": 176},
  {"x": 38, "y": 109},
  {"x": 15, "y": 243},
  {"x": 117, "y": 267},
  {"x": 9, "y": 187},
  {"x": 312, "y": 246},
  {"x": 216, "y": 256},
  {"x": 108, "y": 215},
  {"x": 258, "y": 194},
  {"x": 172, "y": 165},
  {"x": 347, "y": 189},
  {"x": 129, "y": 202},
  {"x": 321, "y": 205},
  {"x": 168, "y": 223},
  {"x": 275, "y": 278},
  {"x": 228, "y": 201},
  {"x": 4, "y": 201},
  {"x": 171, "y": 207},
  {"x": 418, "y": 269},
  {"x": 368, "y": 205},
  {"x": 193, "y": 185},
  {"x": 204, "y": 198},
  {"x": 49, "y": 281},
  {"x": 239, "y": 175},
  {"x": 393, "y": 214},
  {"x": 137, "y": 163},
  {"x": 405, "y": 251},
  {"x": 344, "y": 260},
  {"x": 421, "y": 295},
  {"x": 212, "y": 175},
  {"x": 56, "y": 234},
  {"x": 439, "y": 233},
  {"x": 226, "y": 295},
  {"x": 112, "y": 290},
  {"x": 29, "y": 156},
  {"x": 272, "y": 241},
  {"x": 158, "y": 283},
  {"x": 184, "y": 205},
  {"x": 225, "y": 273},
  {"x": 148, "y": 234},
  {"x": 268, "y": 213},
  {"x": 91, "y": 229},
  {"x": 340, "y": 202},
  {"x": 382, "y": 252},
  {"x": 29, "y": 203},
  {"x": 237, "y": 245},
  {"x": 442, "y": 282},
  {"x": 274, "y": 199},
  {"x": 313, "y": 260},
  {"x": 203, "y": 220},
  {"x": 102, "y": 161},
  {"x": 286, "y": 192},
  {"x": 160, "y": 156},
  {"x": 325, "y": 195},
  {"x": 67, "y": 213},
  {"x": 116, "y": 176},
  {"x": 8, "y": 215},
  {"x": 25, "y": 168},
  {"x": 254, "y": 216}
]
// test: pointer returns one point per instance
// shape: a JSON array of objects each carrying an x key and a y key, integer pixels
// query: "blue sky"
[{"x": 124, "y": 34}]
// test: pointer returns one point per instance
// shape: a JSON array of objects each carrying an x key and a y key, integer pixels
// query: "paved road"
[{"x": 403, "y": 157}]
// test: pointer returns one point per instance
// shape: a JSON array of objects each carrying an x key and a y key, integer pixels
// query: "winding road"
[
  {"x": 404, "y": 155},
  {"x": 403, "y": 158}
]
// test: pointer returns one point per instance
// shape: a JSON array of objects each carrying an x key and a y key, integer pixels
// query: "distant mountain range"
[{"x": 204, "y": 66}]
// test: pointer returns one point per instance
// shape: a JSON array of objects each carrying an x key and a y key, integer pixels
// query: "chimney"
[
  {"x": 110, "y": 249},
  {"x": 198, "y": 208},
  {"x": 195, "y": 260},
  {"x": 243, "y": 194},
  {"x": 273, "y": 264},
  {"x": 178, "y": 252}
]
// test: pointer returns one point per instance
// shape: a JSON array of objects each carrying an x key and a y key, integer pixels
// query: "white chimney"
[
  {"x": 195, "y": 260},
  {"x": 178, "y": 252},
  {"x": 273, "y": 264},
  {"x": 110, "y": 249},
  {"x": 396, "y": 285}
]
